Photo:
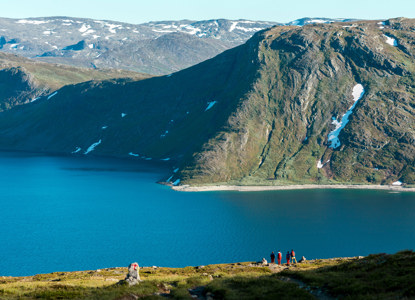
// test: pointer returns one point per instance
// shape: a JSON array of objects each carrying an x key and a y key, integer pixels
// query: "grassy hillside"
[
  {"x": 379, "y": 276},
  {"x": 279, "y": 132},
  {"x": 22, "y": 79}
]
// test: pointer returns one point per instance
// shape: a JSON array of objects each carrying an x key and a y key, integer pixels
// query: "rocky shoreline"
[{"x": 240, "y": 188}]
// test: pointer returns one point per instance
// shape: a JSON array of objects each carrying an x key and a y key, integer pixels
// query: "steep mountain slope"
[
  {"x": 154, "y": 47},
  {"x": 319, "y": 103},
  {"x": 22, "y": 80}
]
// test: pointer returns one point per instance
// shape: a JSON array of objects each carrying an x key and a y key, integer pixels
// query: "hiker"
[
  {"x": 279, "y": 257},
  {"x": 293, "y": 256},
  {"x": 288, "y": 256},
  {"x": 272, "y": 257}
]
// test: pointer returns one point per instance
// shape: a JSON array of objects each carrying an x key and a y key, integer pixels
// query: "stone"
[
  {"x": 133, "y": 276},
  {"x": 264, "y": 261}
]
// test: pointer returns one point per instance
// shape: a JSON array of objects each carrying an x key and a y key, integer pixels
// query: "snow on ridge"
[
  {"x": 84, "y": 28},
  {"x": 333, "y": 137},
  {"x": 92, "y": 147},
  {"x": 391, "y": 41},
  {"x": 32, "y": 22},
  {"x": 50, "y": 96},
  {"x": 210, "y": 105},
  {"x": 233, "y": 26}
]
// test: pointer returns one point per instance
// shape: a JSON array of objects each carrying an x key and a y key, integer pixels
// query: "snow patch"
[
  {"x": 233, "y": 26},
  {"x": 33, "y": 22},
  {"x": 84, "y": 28},
  {"x": 104, "y": 127},
  {"x": 92, "y": 147},
  {"x": 210, "y": 105},
  {"x": 321, "y": 165},
  {"x": 91, "y": 46},
  {"x": 168, "y": 180},
  {"x": 76, "y": 150},
  {"x": 248, "y": 29},
  {"x": 397, "y": 183},
  {"x": 166, "y": 159},
  {"x": 175, "y": 170},
  {"x": 391, "y": 41},
  {"x": 123, "y": 115},
  {"x": 50, "y": 96},
  {"x": 176, "y": 182},
  {"x": 164, "y": 134},
  {"x": 33, "y": 100},
  {"x": 47, "y": 32},
  {"x": 134, "y": 154},
  {"x": 333, "y": 137}
]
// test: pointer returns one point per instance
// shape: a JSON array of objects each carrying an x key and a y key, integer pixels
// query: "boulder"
[{"x": 133, "y": 276}]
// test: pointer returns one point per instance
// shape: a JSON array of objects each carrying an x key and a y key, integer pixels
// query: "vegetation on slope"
[
  {"x": 279, "y": 133},
  {"x": 23, "y": 80},
  {"x": 378, "y": 276}
]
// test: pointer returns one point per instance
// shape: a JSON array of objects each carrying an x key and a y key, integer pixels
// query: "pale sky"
[{"x": 138, "y": 11}]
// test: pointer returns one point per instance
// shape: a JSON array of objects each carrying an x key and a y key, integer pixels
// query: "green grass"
[{"x": 379, "y": 276}]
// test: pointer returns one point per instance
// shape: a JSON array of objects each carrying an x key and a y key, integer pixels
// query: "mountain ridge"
[
  {"x": 257, "y": 114},
  {"x": 147, "y": 47}
]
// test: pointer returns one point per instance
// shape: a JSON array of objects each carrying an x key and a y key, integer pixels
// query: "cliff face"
[{"x": 316, "y": 104}]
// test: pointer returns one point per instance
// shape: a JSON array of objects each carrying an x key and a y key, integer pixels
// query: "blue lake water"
[{"x": 65, "y": 214}]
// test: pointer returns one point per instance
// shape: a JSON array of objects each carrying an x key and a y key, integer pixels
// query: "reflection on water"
[{"x": 62, "y": 214}]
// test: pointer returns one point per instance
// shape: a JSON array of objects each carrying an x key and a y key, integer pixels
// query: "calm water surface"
[{"x": 64, "y": 214}]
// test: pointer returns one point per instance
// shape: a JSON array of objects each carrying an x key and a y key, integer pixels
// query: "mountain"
[
  {"x": 155, "y": 47},
  {"x": 322, "y": 103},
  {"x": 23, "y": 80}
]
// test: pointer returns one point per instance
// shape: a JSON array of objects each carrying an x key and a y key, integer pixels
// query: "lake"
[{"x": 82, "y": 213}]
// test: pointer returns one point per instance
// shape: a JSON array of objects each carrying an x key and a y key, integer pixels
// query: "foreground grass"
[{"x": 378, "y": 276}]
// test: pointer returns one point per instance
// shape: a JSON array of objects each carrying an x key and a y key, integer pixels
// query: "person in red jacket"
[
  {"x": 279, "y": 257},
  {"x": 293, "y": 256},
  {"x": 288, "y": 256},
  {"x": 272, "y": 257}
]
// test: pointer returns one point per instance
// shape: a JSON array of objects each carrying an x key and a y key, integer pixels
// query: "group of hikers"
[{"x": 290, "y": 257}]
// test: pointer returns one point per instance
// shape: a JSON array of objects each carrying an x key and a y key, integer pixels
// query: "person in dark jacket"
[
  {"x": 272, "y": 257},
  {"x": 288, "y": 256},
  {"x": 293, "y": 256},
  {"x": 279, "y": 257}
]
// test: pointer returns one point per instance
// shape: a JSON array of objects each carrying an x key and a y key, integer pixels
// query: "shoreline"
[{"x": 261, "y": 188}]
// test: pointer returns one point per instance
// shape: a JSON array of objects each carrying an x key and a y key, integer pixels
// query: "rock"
[
  {"x": 264, "y": 261},
  {"x": 303, "y": 259},
  {"x": 133, "y": 276}
]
